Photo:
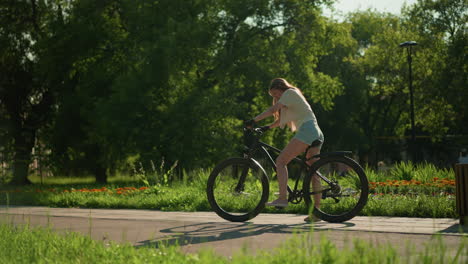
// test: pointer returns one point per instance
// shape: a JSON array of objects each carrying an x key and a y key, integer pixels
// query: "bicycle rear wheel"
[
  {"x": 238, "y": 189},
  {"x": 343, "y": 196}
]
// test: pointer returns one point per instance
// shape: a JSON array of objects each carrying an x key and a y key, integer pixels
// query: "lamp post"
[{"x": 408, "y": 45}]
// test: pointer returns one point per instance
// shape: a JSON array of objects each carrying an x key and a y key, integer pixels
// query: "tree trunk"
[
  {"x": 23, "y": 145},
  {"x": 96, "y": 164},
  {"x": 100, "y": 173}
]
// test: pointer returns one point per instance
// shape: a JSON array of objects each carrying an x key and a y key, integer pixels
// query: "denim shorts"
[{"x": 309, "y": 132}]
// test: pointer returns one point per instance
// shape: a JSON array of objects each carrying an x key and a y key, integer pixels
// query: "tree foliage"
[{"x": 101, "y": 84}]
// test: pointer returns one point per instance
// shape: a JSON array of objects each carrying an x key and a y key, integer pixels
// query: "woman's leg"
[
  {"x": 292, "y": 150},
  {"x": 316, "y": 185}
]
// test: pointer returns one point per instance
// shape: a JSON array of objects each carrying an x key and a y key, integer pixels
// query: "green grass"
[
  {"x": 426, "y": 206},
  {"x": 119, "y": 179},
  {"x": 424, "y": 172},
  {"x": 188, "y": 193},
  {"x": 179, "y": 197},
  {"x": 39, "y": 245},
  {"x": 23, "y": 244},
  {"x": 167, "y": 198}
]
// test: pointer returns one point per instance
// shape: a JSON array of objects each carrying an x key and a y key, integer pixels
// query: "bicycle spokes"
[
  {"x": 238, "y": 188},
  {"x": 338, "y": 189}
]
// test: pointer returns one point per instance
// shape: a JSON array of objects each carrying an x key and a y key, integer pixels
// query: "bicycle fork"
[{"x": 240, "y": 184}]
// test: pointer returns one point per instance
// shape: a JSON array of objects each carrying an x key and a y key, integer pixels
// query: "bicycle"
[{"x": 238, "y": 188}]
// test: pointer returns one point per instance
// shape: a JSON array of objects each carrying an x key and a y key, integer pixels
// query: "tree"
[
  {"x": 95, "y": 37},
  {"x": 126, "y": 79},
  {"x": 384, "y": 110},
  {"x": 27, "y": 88},
  {"x": 442, "y": 25},
  {"x": 195, "y": 60}
]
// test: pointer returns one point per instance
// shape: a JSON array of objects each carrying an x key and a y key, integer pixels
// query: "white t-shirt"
[{"x": 297, "y": 110}]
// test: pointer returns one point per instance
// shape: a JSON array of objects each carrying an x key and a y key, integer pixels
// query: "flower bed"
[{"x": 437, "y": 186}]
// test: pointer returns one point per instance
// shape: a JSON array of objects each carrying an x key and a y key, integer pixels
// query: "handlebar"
[
  {"x": 257, "y": 130},
  {"x": 252, "y": 136}
]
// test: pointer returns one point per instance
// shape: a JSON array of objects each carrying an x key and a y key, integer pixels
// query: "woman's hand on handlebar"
[{"x": 249, "y": 123}]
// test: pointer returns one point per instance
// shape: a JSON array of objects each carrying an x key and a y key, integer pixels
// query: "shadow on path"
[
  {"x": 457, "y": 228},
  {"x": 209, "y": 232}
]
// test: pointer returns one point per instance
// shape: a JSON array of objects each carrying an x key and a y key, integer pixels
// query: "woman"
[{"x": 291, "y": 108}]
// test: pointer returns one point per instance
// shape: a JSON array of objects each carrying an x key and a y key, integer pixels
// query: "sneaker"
[
  {"x": 312, "y": 219},
  {"x": 278, "y": 203}
]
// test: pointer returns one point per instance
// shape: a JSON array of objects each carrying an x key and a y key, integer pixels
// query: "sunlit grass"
[
  {"x": 37, "y": 179},
  {"x": 423, "y": 172},
  {"x": 192, "y": 197},
  {"x": 430, "y": 196},
  {"x": 40, "y": 245},
  {"x": 23, "y": 244}
]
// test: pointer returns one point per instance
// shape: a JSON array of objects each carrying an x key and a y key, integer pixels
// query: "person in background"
[{"x": 463, "y": 158}]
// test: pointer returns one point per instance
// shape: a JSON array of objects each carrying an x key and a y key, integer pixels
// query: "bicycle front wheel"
[
  {"x": 340, "y": 193},
  {"x": 237, "y": 189}
]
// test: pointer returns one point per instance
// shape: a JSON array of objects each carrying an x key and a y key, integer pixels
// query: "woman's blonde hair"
[{"x": 282, "y": 85}]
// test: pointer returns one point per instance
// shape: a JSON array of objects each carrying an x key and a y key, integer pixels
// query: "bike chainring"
[{"x": 296, "y": 197}]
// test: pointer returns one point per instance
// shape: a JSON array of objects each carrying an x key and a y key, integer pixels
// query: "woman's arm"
[
  {"x": 269, "y": 112},
  {"x": 275, "y": 124}
]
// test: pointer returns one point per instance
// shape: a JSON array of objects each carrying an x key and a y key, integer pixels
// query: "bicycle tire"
[
  {"x": 222, "y": 189},
  {"x": 349, "y": 196}
]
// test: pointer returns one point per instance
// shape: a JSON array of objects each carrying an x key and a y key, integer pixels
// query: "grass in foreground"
[{"x": 40, "y": 245}]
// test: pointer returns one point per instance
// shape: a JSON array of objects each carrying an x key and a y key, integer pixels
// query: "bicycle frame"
[
  {"x": 332, "y": 178},
  {"x": 259, "y": 145}
]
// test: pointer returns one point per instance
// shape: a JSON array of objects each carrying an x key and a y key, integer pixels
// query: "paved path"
[{"x": 196, "y": 230}]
